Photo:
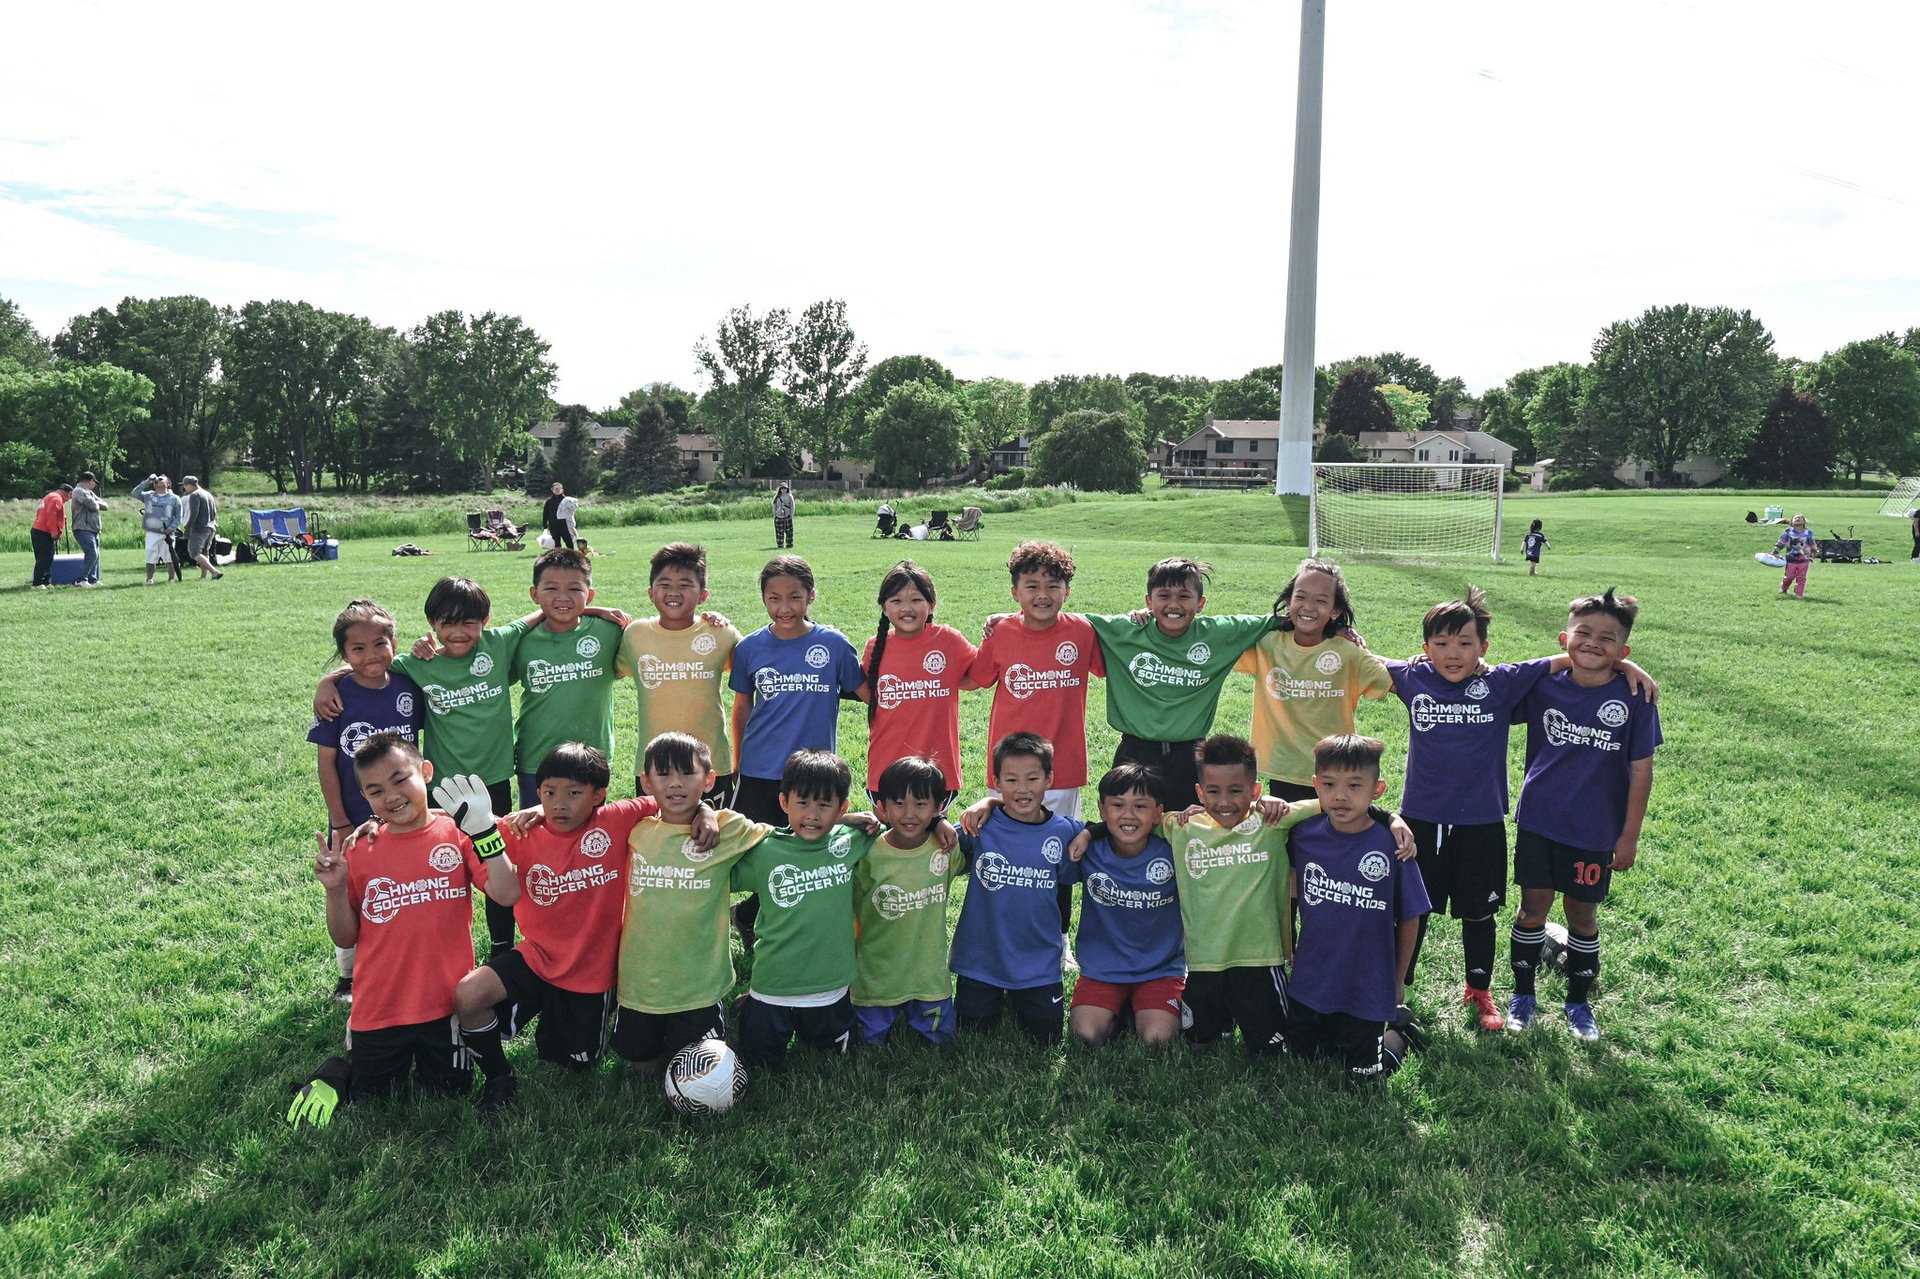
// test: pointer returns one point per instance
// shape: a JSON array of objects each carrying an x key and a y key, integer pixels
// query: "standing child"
[
  {"x": 405, "y": 897},
  {"x": 565, "y": 667},
  {"x": 1796, "y": 547},
  {"x": 900, "y": 896},
  {"x": 916, "y": 669},
  {"x": 788, "y": 678},
  {"x": 1535, "y": 543},
  {"x": 1360, "y": 908},
  {"x": 372, "y": 700},
  {"x": 1590, "y": 744},
  {"x": 783, "y": 518},
  {"x": 677, "y": 660},
  {"x": 1310, "y": 676}
]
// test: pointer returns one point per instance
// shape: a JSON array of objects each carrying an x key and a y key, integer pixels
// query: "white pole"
[{"x": 1294, "y": 472}]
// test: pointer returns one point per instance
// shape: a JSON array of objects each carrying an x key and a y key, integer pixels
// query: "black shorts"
[
  {"x": 766, "y": 1029},
  {"x": 639, "y": 1036},
  {"x": 1040, "y": 1010},
  {"x": 391, "y": 1059},
  {"x": 1354, "y": 1043},
  {"x": 571, "y": 1028},
  {"x": 1464, "y": 865},
  {"x": 758, "y": 799},
  {"x": 1579, "y": 873},
  {"x": 1255, "y": 999},
  {"x": 1292, "y": 792},
  {"x": 719, "y": 795},
  {"x": 1172, "y": 762}
]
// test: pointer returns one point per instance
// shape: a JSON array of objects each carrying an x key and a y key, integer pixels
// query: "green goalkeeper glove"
[
  {"x": 465, "y": 799},
  {"x": 313, "y": 1105}
]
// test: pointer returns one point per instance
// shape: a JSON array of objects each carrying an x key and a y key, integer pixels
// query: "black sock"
[
  {"x": 484, "y": 1044},
  {"x": 1583, "y": 966},
  {"x": 1419, "y": 940},
  {"x": 1476, "y": 939},
  {"x": 1523, "y": 950},
  {"x": 499, "y": 925}
]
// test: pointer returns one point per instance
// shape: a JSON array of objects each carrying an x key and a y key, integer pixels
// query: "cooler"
[
  {"x": 327, "y": 549},
  {"x": 68, "y": 568}
]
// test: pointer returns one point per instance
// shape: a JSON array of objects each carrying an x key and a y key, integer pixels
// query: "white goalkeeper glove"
[{"x": 464, "y": 798}]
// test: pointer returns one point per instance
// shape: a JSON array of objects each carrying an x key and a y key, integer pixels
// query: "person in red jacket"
[{"x": 49, "y": 522}]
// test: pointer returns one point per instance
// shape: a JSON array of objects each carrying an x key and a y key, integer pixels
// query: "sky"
[{"x": 1016, "y": 189}]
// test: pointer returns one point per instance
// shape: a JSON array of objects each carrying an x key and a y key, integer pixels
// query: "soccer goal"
[
  {"x": 1410, "y": 510},
  {"x": 1904, "y": 499}
]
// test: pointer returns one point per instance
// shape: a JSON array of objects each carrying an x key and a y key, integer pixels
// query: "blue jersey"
[
  {"x": 1534, "y": 544},
  {"x": 1457, "y": 751},
  {"x": 1581, "y": 747},
  {"x": 397, "y": 708},
  {"x": 796, "y": 686},
  {"x": 1353, "y": 896},
  {"x": 1129, "y": 915},
  {"x": 1009, "y": 929}
]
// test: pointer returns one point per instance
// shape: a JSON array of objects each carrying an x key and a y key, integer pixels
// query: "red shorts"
[{"x": 1161, "y": 995}]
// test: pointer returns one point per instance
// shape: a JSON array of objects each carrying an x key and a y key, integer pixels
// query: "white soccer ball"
[
  {"x": 705, "y": 1078},
  {"x": 1553, "y": 953},
  {"x": 546, "y": 541}
]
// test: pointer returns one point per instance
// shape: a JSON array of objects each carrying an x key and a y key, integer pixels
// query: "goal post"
[
  {"x": 1412, "y": 510},
  {"x": 1904, "y": 499}
]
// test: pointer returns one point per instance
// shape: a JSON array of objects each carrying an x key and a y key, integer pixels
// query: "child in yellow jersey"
[
  {"x": 900, "y": 893},
  {"x": 679, "y": 661}
]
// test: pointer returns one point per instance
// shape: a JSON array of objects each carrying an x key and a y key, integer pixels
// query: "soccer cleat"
[
  {"x": 498, "y": 1095},
  {"x": 342, "y": 991},
  {"x": 745, "y": 930},
  {"x": 1069, "y": 962},
  {"x": 1520, "y": 1012},
  {"x": 1580, "y": 1021},
  {"x": 1481, "y": 1001}
]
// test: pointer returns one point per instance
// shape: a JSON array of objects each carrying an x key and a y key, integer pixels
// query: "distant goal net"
[
  {"x": 1904, "y": 499},
  {"x": 1407, "y": 510}
]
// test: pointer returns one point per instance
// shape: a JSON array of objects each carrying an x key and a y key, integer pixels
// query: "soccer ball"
[
  {"x": 1553, "y": 952},
  {"x": 705, "y": 1078}
]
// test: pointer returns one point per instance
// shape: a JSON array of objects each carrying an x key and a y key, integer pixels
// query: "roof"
[
  {"x": 695, "y": 442},
  {"x": 548, "y": 432},
  {"x": 1476, "y": 442},
  {"x": 1234, "y": 429}
]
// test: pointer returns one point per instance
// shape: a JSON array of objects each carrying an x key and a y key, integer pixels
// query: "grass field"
[{"x": 1752, "y": 1109}]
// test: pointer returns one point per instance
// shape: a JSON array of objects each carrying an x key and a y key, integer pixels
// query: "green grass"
[{"x": 1751, "y": 1111}]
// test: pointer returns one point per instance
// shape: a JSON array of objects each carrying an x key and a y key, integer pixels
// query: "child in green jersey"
[
  {"x": 565, "y": 667},
  {"x": 900, "y": 896}
]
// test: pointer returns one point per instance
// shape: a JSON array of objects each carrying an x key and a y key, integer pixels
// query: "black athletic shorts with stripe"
[
  {"x": 570, "y": 1028},
  {"x": 1254, "y": 999},
  {"x": 1463, "y": 865}
]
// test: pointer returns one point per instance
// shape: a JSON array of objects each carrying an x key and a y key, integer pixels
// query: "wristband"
[
  {"x": 340, "y": 826},
  {"x": 489, "y": 845}
]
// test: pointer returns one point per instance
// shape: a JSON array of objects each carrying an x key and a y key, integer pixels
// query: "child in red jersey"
[
  {"x": 405, "y": 898},
  {"x": 917, "y": 669}
]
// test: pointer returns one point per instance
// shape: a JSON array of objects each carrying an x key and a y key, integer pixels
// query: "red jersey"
[
  {"x": 572, "y": 896},
  {"x": 51, "y": 515},
  {"x": 1042, "y": 687},
  {"x": 917, "y": 700},
  {"x": 414, "y": 895}
]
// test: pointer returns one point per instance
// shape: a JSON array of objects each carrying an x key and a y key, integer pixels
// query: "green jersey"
[
  {"x": 900, "y": 907},
  {"x": 673, "y": 945},
  {"x": 1232, "y": 886},
  {"x": 469, "y": 711},
  {"x": 1165, "y": 688},
  {"x": 805, "y": 930},
  {"x": 566, "y": 689}
]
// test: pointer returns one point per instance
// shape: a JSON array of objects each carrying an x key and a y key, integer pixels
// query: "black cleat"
[
  {"x": 498, "y": 1095},
  {"x": 342, "y": 991}
]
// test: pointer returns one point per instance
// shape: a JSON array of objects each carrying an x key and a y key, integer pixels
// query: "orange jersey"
[
  {"x": 916, "y": 700},
  {"x": 572, "y": 894}
]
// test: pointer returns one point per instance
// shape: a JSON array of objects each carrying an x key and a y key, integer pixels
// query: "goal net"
[
  {"x": 1410, "y": 510},
  {"x": 1904, "y": 498}
]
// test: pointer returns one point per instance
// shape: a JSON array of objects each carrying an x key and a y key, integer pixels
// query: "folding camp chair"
[
  {"x": 479, "y": 536},
  {"x": 282, "y": 535},
  {"x": 502, "y": 528},
  {"x": 968, "y": 529},
  {"x": 939, "y": 528}
]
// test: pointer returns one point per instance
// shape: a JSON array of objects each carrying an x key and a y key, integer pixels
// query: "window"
[
  {"x": 1453, "y": 455},
  {"x": 1423, "y": 455},
  {"x": 1223, "y": 446}
]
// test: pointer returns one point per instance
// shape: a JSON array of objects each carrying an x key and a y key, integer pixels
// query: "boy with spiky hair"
[
  {"x": 1590, "y": 744},
  {"x": 679, "y": 660},
  {"x": 565, "y": 667}
]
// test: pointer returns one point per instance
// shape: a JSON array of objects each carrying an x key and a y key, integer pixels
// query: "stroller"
[
  {"x": 1834, "y": 549},
  {"x": 887, "y": 524}
]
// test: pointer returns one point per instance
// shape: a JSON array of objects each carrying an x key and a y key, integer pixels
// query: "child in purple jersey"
[
  {"x": 1360, "y": 910},
  {"x": 1456, "y": 789},
  {"x": 1590, "y": 744}
]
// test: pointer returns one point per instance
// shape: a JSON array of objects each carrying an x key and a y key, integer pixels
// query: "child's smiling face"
[
  {"x": 1022, "y": 781},
  {"x": 1130, "y": 819},
  {"x": 1311, "y": 606},
  {"x": 787, "y": 600},
  {"x": 1455, "y": 654},
  {"x": 811, "y": 816},
  {"x": 1174, "y": 607}
]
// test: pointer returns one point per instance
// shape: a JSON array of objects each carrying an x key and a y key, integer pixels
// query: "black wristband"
[
  {"x": 339, "y": 825},
  {"x": 489, "y": 845}
]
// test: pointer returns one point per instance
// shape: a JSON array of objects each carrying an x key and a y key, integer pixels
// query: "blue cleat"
[
  {"x": 1580, "y": 1021},
  {"x": 1520, "y": 1012}
]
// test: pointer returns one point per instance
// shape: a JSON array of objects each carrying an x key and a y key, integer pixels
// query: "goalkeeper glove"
[
  {"x": 465, "y": 799},
  {"x": 313, "y": 1105}
]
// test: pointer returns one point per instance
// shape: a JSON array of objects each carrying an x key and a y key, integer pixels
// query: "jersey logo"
[
  {"x": 937, "y": 863},
  {"x": 543, "y": 885},
  {"x": 588, "y": 646},
  {"x": 444, "y": 858},
  {"x": 934, "y": 662},
  {"x": 595, "y": 843},
  {"x": 817, "y": 656},
  {"x": 1374, "y": 866},
  {"x": 1199, "y": 654},
  {"x": 404, "y": 704},
  {"x": 1613, "y": 714},
  {"x": 1052, "y": 849},
  {"x": 693, "y": 853},
  {"x": 482, "y": 664},
  {"x": 1159, "y": 871},
  {"x": 1067, "y": 653},
  {"x": 1477, "y": 689},
  {"x": 354, "y": 736},
  {"x": 704, "y": 644},
  {"x": 1327, "y": 663}
]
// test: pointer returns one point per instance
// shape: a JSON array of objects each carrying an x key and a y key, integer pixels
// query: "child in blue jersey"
[
  {"x": 1590, "y": 744},
  {"x": 1536, "y": 542},
  {"x": 1007, "y": 948},
  {"x": 1130, "y": 942},
  {"x": 1455, "y": 798},
  {"x": 1360, "y": 910},
  {"x": 788, "y": 678}
]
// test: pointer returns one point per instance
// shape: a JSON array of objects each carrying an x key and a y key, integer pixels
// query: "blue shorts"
[{"x": 931, "y": 1019}]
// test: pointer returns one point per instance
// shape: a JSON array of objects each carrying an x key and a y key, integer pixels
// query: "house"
[
  {"x": 547, "y": 434},
  {"x": 1465, "y": 447},
  {"x": 1012, "y": 453},
  {"x": 1691, "y": 472},
  {"x": 1234, "y": 445},
  {"x": 700, "y": 455}
]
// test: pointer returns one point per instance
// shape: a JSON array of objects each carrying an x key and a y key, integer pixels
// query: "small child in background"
[
  {"x": 1130, "y": 940},
  {"x": 1536, "y": 542},
  {"x": 900, "y": 893},
  {"x": 1796, "y": 548},
  {"x": 372, "y": 700},
  {"x": 916, "y": 669}
]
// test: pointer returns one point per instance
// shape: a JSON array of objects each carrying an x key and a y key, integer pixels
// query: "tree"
[
  {"x": 1794, "y": 445},
  {"x": 1356, "y": 404},
  {"x": 1564, "y": 428},
  {"x": 1063, "y": 394},
  {"x": 746, "y": 356},
  {"x": 1871, "y": 391},
  {"x": 1682, "y": 380},
  {"x": 824, "y": 363},
  {"x": 405, "y": 453},
  {"x": 294, "y": 372},
  {"x": 62, "y": 420},
  {"x": 919, "y": 430},
  {"x": 576, "y": 462},
  {"x": 21, "y": 346},
  {"x": 1409, "y": 407},
  {"x": 539, "y": 481},
  {"x": 178, "y": 344},
  {"x": 484, "y": 380},
  {"x": 895, "y": 370},
  {"x": 999, "y": 411},
  {"x": 1335, "y": 447},
  {"x": 649, "y": 458},
  {"x": 1091, "y": 450},
  {"x": 677, "y": 403},
  {"x": 1252, "y": 398},
  {"x": 1504, "y": 412}
]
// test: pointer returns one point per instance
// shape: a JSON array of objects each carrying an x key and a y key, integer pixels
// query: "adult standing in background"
[
  {"x": 160, "y": 517},
  {"x": 783, "y": 517},
  {"x": 86, "y": 526},
  {"x": 559, "y": 526},
  {"x": 49, "y": 521},
  {"x": 203, "y": 521}
]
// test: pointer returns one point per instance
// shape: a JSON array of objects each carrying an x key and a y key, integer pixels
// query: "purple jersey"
[
  {"x": 1009, "y": 929},
  {"x": 796, "y": 686},
  {"x": 1129, "y": 915},
  {"x": 1353, "y": 895},
  {"x": 397, "y": 708},
  {"x": 1581, "y": 745},
  {"x": 1457, "y": 751}
]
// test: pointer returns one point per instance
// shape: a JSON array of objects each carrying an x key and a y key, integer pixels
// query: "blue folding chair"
[{"x": 282, "y": 535}]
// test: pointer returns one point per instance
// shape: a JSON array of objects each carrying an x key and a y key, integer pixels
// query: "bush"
[
  {"x": 1015, "y": 478},
  {"x": 1090, "y": 450},
  {"x": 28, "y": 470}
]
